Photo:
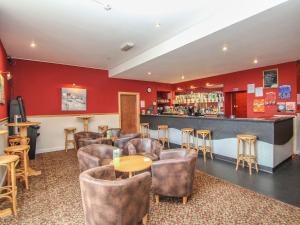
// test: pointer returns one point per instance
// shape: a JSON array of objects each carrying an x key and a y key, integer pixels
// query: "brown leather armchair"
[
  {"x": 148, "y": 147},
  {"x": 173, "y": 174},
  {"x": 124, "y": 138},
  {"x": 87, "y": 138},
  {"x": 94, "y": 155},
  {"x": 107, "y": 201}
]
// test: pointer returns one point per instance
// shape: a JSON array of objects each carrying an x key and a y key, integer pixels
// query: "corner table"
[
  {"x": 85, "y": 119},
  {"x": 23, "y": 135},
  {"x": 131, "y": 164}
]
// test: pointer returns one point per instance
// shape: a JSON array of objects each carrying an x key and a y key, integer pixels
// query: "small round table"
[
  {"x": 23, "y": 135},
  {"x": 131, "y": 164},
  {"x": 85, "y": 119}
]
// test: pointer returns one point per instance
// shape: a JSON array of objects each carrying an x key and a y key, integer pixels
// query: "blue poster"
[{"x": 284, "y": 91}]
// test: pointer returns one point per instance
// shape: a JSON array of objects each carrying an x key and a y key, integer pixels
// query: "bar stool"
[
  {"x": 16, "y": 140},
  {"x": 204, "y": 135},
  {"x": 22, "y": 152},
  {"x": 186, "y": 137},
  {"x": 163, "y": 134},
  {"x": 144, "y": 129},
  {"x": 70, "y": 130},
  {"x": 10, "y": 191},
  {"x": 248, "y": 142},
  {"x": 102, "y": 129}
]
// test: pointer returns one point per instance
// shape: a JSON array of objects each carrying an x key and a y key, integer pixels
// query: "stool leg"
[
  {"x": 66, "y": 141},
  {"x": 26, "y": 169},
  {"x": 256, "y": 166},
  {"x": 210, "y": 146},
  {"x": 243, "y": 153},
  {"x": 181, "y": 139},
  {"x": 238, "y": 155},
  {"x": 75, "y": 147},
  {"x": 14, "y": 188},
  {"x": 249, "y": 158},
  {"x": 204, "y": 147}
]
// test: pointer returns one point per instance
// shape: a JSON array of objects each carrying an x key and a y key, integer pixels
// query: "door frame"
[{"x": 137, "y": 107}]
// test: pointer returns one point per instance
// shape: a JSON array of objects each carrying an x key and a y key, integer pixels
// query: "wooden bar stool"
[
  {"x": 102, "y": 129},
  {"x": 248, "y": 143},
  {"x": 16, "y": 140},
  {"x": 186, "y": 137},
  {"x": 163, "y": 134},
  {"x": 70, "y": 130},
  {"x": 144, "y": 129},
  {"x": 22, "y": 169},
  {"x": 10, "y": 190},
  {"x": 204, "y": 135}
]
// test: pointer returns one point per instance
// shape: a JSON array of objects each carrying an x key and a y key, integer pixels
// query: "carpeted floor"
[{"x": 54, "y": 198}]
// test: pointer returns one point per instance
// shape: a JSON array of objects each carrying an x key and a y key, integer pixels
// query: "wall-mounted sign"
[
  {"x": 73, "y": 99},
  {"x": 270, "y": 98},
  {"x": 258, "y": 105},
  {"x": 270, "y": 78},
  {"x": 250, "y": 88},
  {"x": 259, "y": 92},
  {"x": 290, "y": 106},
  {"x": 280, "y": 106},
  {"x": 284, "y": 91}
]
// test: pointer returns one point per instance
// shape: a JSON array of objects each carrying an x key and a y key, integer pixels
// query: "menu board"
[{"x": 270, "y": 78}]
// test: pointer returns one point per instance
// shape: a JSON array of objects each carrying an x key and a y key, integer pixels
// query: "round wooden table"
[
  {"x": 23, "y": 135},
  {"x": 85, "y": 119},
  {"x": 131, "y": 164}
]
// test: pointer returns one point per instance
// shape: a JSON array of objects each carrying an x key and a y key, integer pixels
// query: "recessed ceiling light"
[
  {"x": 182, "y": 77},
  {"x": 149, "y": 73},
  {"x": 225, "y": 48},
  {"x": 255, "y": 61},
  {"x": 157, "y": 25},
  {"x": 32, "y": 44}
]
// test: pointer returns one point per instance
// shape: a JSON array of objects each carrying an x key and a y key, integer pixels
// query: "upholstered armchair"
[
  {"x": 173, "y": 174},
  {"x": 94, "y": 155},
  {"x": 124, "y": 138},
  {"x": 148, "y": 147},
  {"x": 87, "y": 138},
  {"x": 107, "y": 201}
]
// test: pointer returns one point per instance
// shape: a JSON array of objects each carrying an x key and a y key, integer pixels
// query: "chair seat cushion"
[{"x": 152, "y": 156}]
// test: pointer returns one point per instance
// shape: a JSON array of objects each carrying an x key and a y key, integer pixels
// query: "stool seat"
[
  {"x": 246, "y": 136},
  {"x": 5, "y": 159},
  {"x": 202, "y": 131},
  {"x": 187, "y": 129},
  {"x": 70, "y": 129},
  {"x": 16, "y": 148}
]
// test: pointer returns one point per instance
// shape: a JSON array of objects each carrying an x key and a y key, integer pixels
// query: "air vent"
[{"x": 127, "y": 46}]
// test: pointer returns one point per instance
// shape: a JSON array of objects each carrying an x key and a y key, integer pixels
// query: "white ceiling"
[{"x": 189, "y": 40}]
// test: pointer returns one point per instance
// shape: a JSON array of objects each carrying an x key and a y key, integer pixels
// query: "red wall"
[
  {"x": 287, "y": 73},
  {"x": 40, "y": 85},
  {"x": 4, "y": 68}
]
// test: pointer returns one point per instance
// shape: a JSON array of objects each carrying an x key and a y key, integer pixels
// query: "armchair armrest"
[
  {"x": 172, "y": 154},
  {"x": 87, "y": 161}
]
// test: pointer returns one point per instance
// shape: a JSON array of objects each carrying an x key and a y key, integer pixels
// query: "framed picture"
[
  {"x": 2, "y": 95},
  {"x": 73, "y": 99},
  {"x": 270, "y": 78}
]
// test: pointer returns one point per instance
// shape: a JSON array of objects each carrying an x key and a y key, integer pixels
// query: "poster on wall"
[
  {"x": 290, "y": 106},
  {"x": 280, "y": 106},
  {"x": 270, "y": 78},
  {"x": 284, "y": 91},
  {"x": 73, "y": 99},
  {"x": 250, "y": 88},
  {"x": 259, "y": 92},
  {"x": 270, "y": 98},
  {"x": 259, "y": 105},
  {"x": 2, "y": 97}
]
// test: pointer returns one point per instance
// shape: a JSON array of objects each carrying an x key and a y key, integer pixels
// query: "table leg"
[{"x": 23, "y": 135}]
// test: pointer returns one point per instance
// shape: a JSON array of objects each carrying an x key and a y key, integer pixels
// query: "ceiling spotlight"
[
  {"x": 157, "y": 25},
  {"x": 107, "y": 7},
  {"x": 255, "y": 61},
  {"x": 32, "y": 44},
  {"x": 149, "y": 73},
  {"x": 224, "y": 49},
  {"x": 182, "y": 77}
]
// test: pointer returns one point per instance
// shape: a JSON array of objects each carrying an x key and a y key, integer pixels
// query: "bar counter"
[{"x": 274, "y": 135}]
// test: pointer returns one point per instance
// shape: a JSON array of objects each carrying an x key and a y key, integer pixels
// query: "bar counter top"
[{"x": 266, "y": 119}]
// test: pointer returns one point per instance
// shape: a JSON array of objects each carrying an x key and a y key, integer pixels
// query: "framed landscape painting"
[{"x": 73, "y": 99}]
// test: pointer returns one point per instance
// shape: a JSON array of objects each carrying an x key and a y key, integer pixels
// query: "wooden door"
[
  {"x": 239, "y": 104},
  {"x": 129, "y": 112}
]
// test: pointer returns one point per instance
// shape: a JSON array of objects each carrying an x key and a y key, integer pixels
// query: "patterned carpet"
[{"x": 54, "y": 198}]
